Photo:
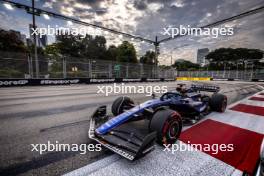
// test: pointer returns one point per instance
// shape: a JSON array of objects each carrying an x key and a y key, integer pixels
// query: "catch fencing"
[{"x": 17, "y": 65}]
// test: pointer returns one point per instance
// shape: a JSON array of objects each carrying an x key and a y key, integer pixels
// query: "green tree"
[
  {"x": 81, "y": 48},
  {"x": 69, "y": 45},
  {"x": 184, "y": 65},
  {"x": 148, "y": 58},
  {"x": 126, "y": 53},
  {"x": 112, "y": 53},
  {"x": 53, "y": 53},
  {"x": 13, "y": 48},
  {"x": 52, "y": 50},
  {"x": 95, "y": 47},
  {"x": 9, "y": 41},
  {"x": 229, "y": 57}
]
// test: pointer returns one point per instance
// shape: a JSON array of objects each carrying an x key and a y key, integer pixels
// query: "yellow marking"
[{"x": 193, "y": 78}]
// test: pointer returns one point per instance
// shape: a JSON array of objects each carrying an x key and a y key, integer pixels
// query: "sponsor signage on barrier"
[
  {"x": 31, "y": 82},
  {"x": 13, "y": 82},
  {"x": 168, "y": 79},
  {"x": 153, "y": 79},
  {"x": 60, "y": 81},
  {"x": 131, "y": 80},
  {"x": 193, "y": 78},
  {"x": 104, "y": 80}
]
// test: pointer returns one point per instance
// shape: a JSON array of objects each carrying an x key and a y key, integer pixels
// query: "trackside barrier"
[
  {"x": 232, "y": 79},
  {"x": 193, "y": 79},
  {"x": 38, "y": 82},
  {"x": 214, "y": 79}
]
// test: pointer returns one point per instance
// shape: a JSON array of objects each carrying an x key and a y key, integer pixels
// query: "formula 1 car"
[
  {"x": 260, "y": 167},
  {"x": 133, "y": 129}
]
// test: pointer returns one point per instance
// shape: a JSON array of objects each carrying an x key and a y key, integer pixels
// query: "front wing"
[{"x": 124, "y": 140}]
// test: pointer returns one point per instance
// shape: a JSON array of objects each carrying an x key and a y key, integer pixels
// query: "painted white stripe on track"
[
  {"x": 242, "y": 120},
  {"x": 160, "y": 162}
]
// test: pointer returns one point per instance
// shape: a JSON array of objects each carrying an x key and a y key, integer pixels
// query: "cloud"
[
  {"x": 177, "y": 3},
  {"x": 140, "y": 5},
  {"x": 147, "y": 18}
]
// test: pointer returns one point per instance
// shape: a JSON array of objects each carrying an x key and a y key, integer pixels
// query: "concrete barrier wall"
[{"x": 38, "y": 82}]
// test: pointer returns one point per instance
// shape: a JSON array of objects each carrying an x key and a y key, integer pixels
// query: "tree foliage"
[
  {"x": 230, "y": 54},
  {"x": 91, "y": 47},
  {"x": 112, "y": 53},
  {"x": 229, "y": 58},
  {"x": 148, "y": 58},
  {"x": 182, "y": 64},
  {"x": 10, "y": 42},
  {"x": 126, "y": 52}
]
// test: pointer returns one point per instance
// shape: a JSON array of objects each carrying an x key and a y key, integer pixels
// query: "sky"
[{"x": 148, "y": 18}]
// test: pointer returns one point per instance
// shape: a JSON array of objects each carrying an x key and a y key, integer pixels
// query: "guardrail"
[
  {"x": 248, "y": 75},
  {"x": 67, "y": 81}
]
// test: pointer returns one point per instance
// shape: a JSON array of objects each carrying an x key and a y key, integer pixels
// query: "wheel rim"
[
  {"x": 224, "y": 104},
  {"x": 171, "y": 130}
]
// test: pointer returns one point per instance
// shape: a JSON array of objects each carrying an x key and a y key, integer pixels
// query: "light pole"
[{"x": 35, "y": 39}]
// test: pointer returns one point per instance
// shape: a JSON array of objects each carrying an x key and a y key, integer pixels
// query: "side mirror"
[{"x": 153, "y": 95}]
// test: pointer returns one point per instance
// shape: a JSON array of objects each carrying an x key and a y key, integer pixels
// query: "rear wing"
[{"x": 207, "y": 88}]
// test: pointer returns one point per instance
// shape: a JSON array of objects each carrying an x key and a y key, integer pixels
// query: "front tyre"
[
  {"x": 121, "y": 104},
  {"x": 168, "y": 125},
  {"x": 218, "y": 102}
]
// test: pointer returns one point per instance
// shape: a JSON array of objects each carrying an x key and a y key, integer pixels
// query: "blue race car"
[{"x": 133, "y": 129}]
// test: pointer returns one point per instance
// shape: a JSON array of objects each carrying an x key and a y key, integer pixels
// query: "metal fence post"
[
  {"x": 141, "y": 70},
  {"x": 30, "y": 71},
  {"x": 126, "y": 70},
  {"x": 64, "y": 68},
  {"x": 90, "y": 68},
  {"x": 252, "y": 70},
  {"x": 110, "y": 70}
]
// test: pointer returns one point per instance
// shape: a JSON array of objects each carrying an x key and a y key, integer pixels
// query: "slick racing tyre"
[
  {"x": 218, "y": 102},
  {"x": 168, "y": 125},
  {"x": 120, "y": 104}
]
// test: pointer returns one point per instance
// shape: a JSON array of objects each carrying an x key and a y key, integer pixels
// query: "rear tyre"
[
  {"x": 168, "y": 125},
  {"x": 120, "y": 104},
  {"x": 218, "y": 102}
]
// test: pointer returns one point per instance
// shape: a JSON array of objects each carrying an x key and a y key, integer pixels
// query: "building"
[
  {"x": 201, "y": 53},
  {"x": 29, "y": 42},
  {"x": 24, "y": 39},
  {"x": 41, "y": 41}
]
